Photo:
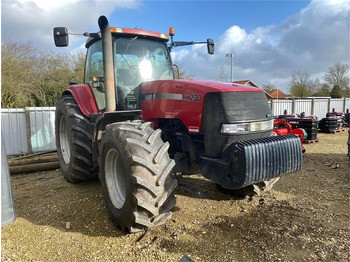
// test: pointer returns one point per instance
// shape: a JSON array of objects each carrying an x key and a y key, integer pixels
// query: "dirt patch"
[{"x": 305, "y": 217}]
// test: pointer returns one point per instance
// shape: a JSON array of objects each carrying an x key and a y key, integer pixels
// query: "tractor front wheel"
[{"x": 136, "y": 175}]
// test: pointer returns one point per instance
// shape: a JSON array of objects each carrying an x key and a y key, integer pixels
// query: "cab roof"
[{"x": 132, "y": 33}]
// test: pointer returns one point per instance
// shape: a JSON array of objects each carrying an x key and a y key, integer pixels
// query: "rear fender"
[{"x": 84, "y": 97}]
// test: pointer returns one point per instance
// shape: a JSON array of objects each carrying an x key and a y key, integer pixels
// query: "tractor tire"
[
  {"x": 136, "y": 176},
  {"x": 74, "y": 146},
  {"x": 251, "y": 190}
]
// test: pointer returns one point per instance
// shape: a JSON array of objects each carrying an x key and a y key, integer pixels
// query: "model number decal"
[
  {"x": 170, "y": 96},
  {"x": 192, "y": 97}
]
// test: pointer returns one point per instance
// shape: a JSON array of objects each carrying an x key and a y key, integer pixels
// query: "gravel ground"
[{"x": 304, "y": 218}]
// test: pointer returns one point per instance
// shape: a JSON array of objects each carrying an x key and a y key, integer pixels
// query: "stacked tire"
[{"x": 328, "y": 124}]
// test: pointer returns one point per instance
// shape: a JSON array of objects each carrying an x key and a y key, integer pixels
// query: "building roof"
[
  {"x": 251, "y": 83},
  {"x": 246, "y": 82},
  {"x": 278, "y": 94}
]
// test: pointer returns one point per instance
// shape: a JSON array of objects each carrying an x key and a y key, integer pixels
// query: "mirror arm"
[
  {"x": 184, "y": 43},
  {"x": 94, "y": 35}
]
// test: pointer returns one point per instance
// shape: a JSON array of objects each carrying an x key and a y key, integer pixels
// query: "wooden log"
[
  {"x": 33, "y": 160},
  {"x": 35, "y": 154},
  {"x": 34, "y": 167}
]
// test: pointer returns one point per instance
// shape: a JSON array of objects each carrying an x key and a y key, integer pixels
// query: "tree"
[
  {"x": 269, "y": 87},
  {"x": 338, "y": 75},
  {"x": 315, "y": 85},
  {"x": 78, "y": 66},
  {"x": 55, "y": 76},
  {"x": 19, "y": 71},
  {"x": 300, "y": 85},
  {"x": 346, "y": 92},
  {"x": 32, "y": 77},
  {"x": 323, "y": 91},
  {"x": 182, "y": 74},
  {"x": 222, "y": 75},
  {"x": 336, "y": 92}
]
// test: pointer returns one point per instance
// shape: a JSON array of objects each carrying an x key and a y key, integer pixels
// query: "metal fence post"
[
  {"x": 272, "y": 106},
  {"x": 344, "y": 105},
  {"x": 329, "y": 105},
  {"x": 293, "y": 106},
  {"x": 29, "y": 140}
]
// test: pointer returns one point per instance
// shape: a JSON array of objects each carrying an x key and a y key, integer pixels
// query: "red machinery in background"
[{"x": 282, "y": 127}]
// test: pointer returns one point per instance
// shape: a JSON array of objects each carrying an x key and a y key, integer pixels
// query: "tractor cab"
[{"x": 138, "y": 56}]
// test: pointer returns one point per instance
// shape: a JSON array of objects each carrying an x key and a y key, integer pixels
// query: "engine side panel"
[{"x": 181, "y": 99}]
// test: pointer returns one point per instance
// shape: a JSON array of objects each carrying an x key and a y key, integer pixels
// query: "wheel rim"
[
  {"x": 115, "y": 178},
  {"x": 64, "y": 140}
]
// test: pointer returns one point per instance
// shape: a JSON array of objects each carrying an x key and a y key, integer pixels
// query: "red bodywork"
[
  {"x": 282, "y": 127},
  {"x": 166, "y": 99},
  {"x": 84, "y": 97},
  {"x": 140, "y": 32},
  {"x": 132, "y": 32},
  {"x": 182, "y": 99}
]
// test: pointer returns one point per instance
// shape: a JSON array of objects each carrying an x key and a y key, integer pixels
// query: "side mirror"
[
  {"x": 60, "y": 35},
  {"x": 210, "y": 46}
]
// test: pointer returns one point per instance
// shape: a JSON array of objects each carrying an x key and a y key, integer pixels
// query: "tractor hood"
[
  {"x": 188, "y": 100},
  {"x": 187, "y": 86}
]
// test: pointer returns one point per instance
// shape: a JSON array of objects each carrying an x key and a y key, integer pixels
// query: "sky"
[{"x": 269, "y": 40}]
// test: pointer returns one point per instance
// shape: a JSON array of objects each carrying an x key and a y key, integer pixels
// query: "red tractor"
[{"x": 133, "y": 125}]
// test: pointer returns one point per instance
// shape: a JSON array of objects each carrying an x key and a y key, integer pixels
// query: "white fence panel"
[
  {"x": 278, "y": 106},
  {"x": 347, "y": 104},
  {"x": 320, "y": 108},
  {"x": 303, "y": 105},
  {"x": 338, "y": 104},
  {"x": 42, "y": 128},
  {"x": 42, "y": 122},
  {"x": 14, "y": 131}
]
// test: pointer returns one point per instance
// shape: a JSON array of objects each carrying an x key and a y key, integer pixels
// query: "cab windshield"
[{"x": 136, "y": 61}]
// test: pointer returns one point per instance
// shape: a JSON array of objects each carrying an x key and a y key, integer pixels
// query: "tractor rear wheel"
[
  {"x": 136, "y": 175},
  {"x": 74, "y": 147}
]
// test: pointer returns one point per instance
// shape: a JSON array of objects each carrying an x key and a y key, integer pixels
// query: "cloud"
[
  {"x": 311, "y": 40},
  {"x": 33, "y": 20}
]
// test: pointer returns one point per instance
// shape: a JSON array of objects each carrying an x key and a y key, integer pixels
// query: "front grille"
[{"x": 231, "y": 107}]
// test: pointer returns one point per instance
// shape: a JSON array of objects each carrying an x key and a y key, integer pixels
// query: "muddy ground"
[{"x": 304, "y": 218}]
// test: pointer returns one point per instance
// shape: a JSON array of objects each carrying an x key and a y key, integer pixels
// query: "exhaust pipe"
[{"x": 108, "y": 64}]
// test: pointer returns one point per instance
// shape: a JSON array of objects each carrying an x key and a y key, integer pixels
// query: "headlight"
[
  {"x": 247, "y": 127},
  {"x": 235, "y": 128}
]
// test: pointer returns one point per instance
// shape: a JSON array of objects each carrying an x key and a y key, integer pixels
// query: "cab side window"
[{"x": 94, "y": 73}]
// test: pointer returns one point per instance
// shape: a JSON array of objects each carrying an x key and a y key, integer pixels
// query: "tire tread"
[{"x": 151, "y": 171}]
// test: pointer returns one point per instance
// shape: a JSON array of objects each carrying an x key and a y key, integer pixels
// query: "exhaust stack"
[{"x": 108, "y": 64}]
